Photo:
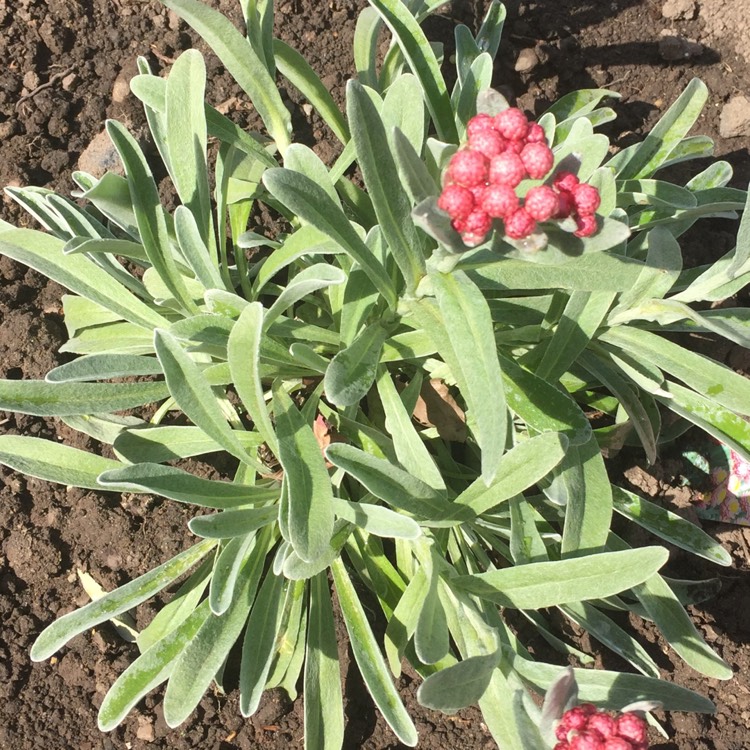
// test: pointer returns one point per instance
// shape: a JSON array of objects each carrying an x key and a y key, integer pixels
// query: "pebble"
[
  {"x": 99, "y": 157},
  {"x": 70, "y": 82},
  {"x": 735, "y": 118},
  {"x": 30, "y": 80},
  {"x": 679, "y": 10},
  {"x": 145, "y": 730},
  {"x": 527, "y": 60}
]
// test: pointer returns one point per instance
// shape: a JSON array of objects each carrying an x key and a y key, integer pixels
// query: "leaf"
[
  {"x": 384, "y": 187},
  {"x": 463, "y": 333},
  {"x": 311, "y": 203},
  {"x": 541, "y": 406},
  {"x": 410, "y": 450},
  {"x": 151, "y": 90},
  {"x": 308, "y": 483},
  {"x": 53, "y": 462},
  {"x": 547, "y": 584},
  {"x": 666, "y": 134},
  {"x": 186, "y": 137},
  {"x": 43, "y": 399},
  {"x": 166, "y": 443},
  {"x": 608, "y": 633},
  {"x": 193, "y": 394},
  {"x": 241, "y": 60},
  {"x": 587, "y": 493},
  {"x": 597, "y": 272},
  {"x": 77, "y": 273},
  {"x": 194, "y": 249},
  {"x": 700, "y": 373},
  {"x": 176, "y": 484},
  {"x": 369, "y": 659},
  {"x": 123, "y": 625},
  {"x": 422, "y": 61},
  {"x": 351, "y": 373},
  {"x": 669, "y": 526},
  {"x": 522, "y": 467},
  {"x": 232, "y": 523},
  {"x": 103, "y": 367},
  {"x": 577, "y": 325},
  {"x": 259, "y": 644},
  {"x": 397, "y": 487},
  {"x": 366, "y": 47},
  {"x": 677, "y": 628},
  {"x": 298, "y": 72},
  {"x": 613, "y": 690},
  {"x": 149, "y": 215},
  {"x": 229, "y": 561},
  {"x": 324, "y": 708},
  {"x": 179, "y": 607},
  {"x": 459, "y": 686},
  {"x": 243, "y": 351},
  {"x": 375, "y": 519},
  {"x": 724, "y": 425},
  {"x": 630, "y": 398},
  {"x": 56, "y": 635},
  {"x": 431, "y": 637},
  {"x": 204, "y": 655},
  {"x": 148, "y": 671}
]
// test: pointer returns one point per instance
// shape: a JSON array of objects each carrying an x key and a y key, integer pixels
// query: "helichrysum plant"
[{"x": 500, "y": 278}]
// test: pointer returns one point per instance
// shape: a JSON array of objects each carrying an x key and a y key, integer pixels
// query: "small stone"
[
  {"x": 145, "y": 730},
  {"x": 679, "y": 10},
  {"x": 70, "y": 82},
  {"x": 9, "y": 128},
  {"x": 121, "y": 88},
  {"x": 673, "y": 47},
  {"x": 527, "y": 60},
  {"x": 735, "y": 118},
  {"x": 30, "y": 80},
  {"x": 100, "y": 156}
]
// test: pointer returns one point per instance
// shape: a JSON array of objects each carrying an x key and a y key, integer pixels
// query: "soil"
[{"x": 65, "y": 70}]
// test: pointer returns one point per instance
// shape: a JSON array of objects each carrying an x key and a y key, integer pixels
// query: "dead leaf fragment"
[{"x": 437, "y": 408}]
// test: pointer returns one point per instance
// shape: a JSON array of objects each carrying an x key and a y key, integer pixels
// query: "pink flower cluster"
[
  {"x": 585, "y": 728},
  {"x": 482, "y": 178}
]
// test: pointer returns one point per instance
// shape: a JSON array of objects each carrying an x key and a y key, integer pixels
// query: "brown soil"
[{"x": 64, "y": 63}]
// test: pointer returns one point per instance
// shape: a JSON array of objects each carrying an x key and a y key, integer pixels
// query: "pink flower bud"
[
  {"x": 506, "y": 169},
  {"x": 480, "y": 123},
  {"x": 538, "y": 159},
  {"x": 499, "y": 201},
  {"x": 565, "y": 181},
  {"x": 586, "y": 740},
  {"x": 542, "y": 202},
  {"x": 602, "y": 723},
  {"x": 468, "y": 168},
  {"x": 519, "y": 225},
  {"x": 586, "y": 198},
  {"x": 586, "y": 225},
  {"x": 457, "y": 201},
  {"x": 536, "y": 134},
  {"x": 617, "y": 743},
  {"x": 575, "y": 718},
  {"x": 512, "y": 124},
  {"x": 632, "y": 728},
  {"x": 489, "y": 143},
  {"x": 475, "y": 228},
  {"x": 565, "y": 205}
]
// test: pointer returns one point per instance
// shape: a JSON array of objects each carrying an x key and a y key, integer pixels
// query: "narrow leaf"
[
  {"x": 369, "y": 659},
  {"x": 116, "y": 602}
]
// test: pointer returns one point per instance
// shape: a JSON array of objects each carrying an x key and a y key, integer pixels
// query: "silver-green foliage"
[{"x": 340, "y": 326}]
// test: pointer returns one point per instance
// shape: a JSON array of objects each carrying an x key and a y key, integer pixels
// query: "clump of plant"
[{"x": 409, "y": 417}]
